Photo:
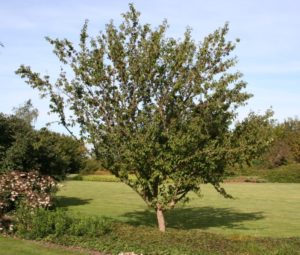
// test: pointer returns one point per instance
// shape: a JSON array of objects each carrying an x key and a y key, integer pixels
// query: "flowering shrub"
[{"x": 30, "y": 188}]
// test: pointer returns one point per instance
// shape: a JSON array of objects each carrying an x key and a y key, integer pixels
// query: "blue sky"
[{"x": 269, "y": 53}]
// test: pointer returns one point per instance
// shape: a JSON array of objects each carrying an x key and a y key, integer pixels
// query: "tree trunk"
[{"x": 160, "y": 219}]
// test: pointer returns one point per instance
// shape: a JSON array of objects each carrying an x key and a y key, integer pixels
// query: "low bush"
[
  {"x": 91, "y": 166},
  {"x": 100, "y": 178},
  {"x": 41, "y": 223},
  {"x": 90, "y": 226},
  {"x": 284, "y": 174},
  {"x": 96, "y": 177},
  {"x": 93, "y": 177}
]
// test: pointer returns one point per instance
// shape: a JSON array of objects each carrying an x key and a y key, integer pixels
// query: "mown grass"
[
  {"x": 265, "y": 209},
  {"x": 262, "y": 219},
  {"x": 12, "y": 246}
]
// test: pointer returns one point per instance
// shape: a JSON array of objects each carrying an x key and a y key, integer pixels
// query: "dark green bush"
[
  {"x": 24, "y": 148},
  {"x": 284, "y": 174},
  {"x": 57, "y": 154},
  {"x": 16, "y": 144}
]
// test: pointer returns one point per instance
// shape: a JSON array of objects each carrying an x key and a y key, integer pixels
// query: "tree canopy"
[
  {"x": 153, "y": 106},
  {"x": 26, "y": 112}
]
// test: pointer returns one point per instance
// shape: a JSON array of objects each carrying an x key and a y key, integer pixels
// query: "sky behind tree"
[{"x": 269, "y": 55}]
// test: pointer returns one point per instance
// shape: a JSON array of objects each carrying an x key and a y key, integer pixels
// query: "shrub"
[
  {"x": 100, "y": 178},
  {"x": 284, "y": 174},
  {"x": 42, "y": 223},
  {"x": 91, "y": 227},
  {"x": 39, "y": 223},
  {"x": 29, "y": 188},
  {"x": 91, "y": 166}
]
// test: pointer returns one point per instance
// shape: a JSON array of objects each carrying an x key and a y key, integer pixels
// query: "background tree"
[
  {"x": 285, "y": 147},
  {"x": 58, "y": 155},
  {"x": 292, "y": 136},
  {"x": 253, "y": 136},
  {"x": 26, "y": 112},
  {"x": 16, "y": 144},
  {"x": 17, "y": 138},
  {"x": 159, "y": 108},
  {"x": 26, "y": 149}
]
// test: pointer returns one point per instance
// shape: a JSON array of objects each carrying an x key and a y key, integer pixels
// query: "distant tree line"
[{"x": 24, "y": 148}]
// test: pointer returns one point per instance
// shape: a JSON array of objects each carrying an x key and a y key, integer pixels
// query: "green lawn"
[
  {"x": 266, "y": 209},
  {"x": 11, "y": 246},
  {"x": 257, "y": 210}
]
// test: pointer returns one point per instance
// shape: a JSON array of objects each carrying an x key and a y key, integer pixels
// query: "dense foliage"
[
  {"x": 285, "y": 147},
  {"x": 159, "y": 108},
  {"x": 23, "y": 148},
  {"x": 42, "y": 223},
  {"x": 58, "y": 155},
  {"x": 16, "y": 144}
]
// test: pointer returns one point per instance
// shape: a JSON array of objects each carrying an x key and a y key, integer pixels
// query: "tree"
[
  {"x": 26, "y": 112},
  {"x": 253, "y": 136},
  {"x": 155, "y": 107},
  {"x": 285, "y": 147},
  {"x": 291, "y": 135},
  {"x": 58, "y": 155}
]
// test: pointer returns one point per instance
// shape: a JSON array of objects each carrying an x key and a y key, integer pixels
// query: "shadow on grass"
[
  {"x": 194, "y": 218},
  {"x": 62, "y": 201}
]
